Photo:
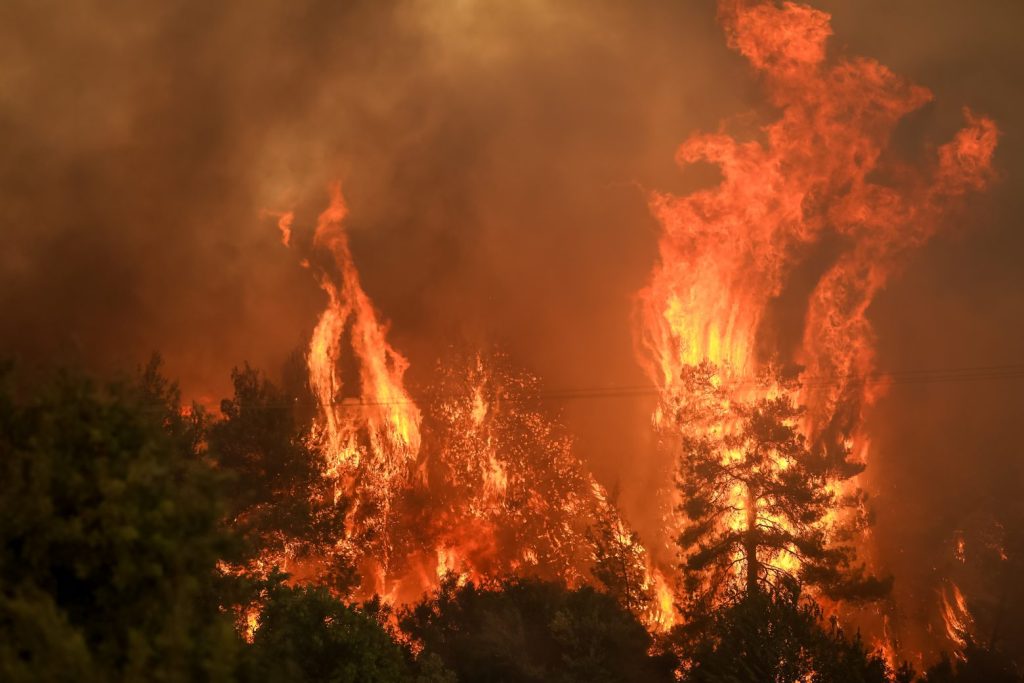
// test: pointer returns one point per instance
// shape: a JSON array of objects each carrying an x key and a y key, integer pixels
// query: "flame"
[
  {"x": 252, "y": 623},
  {"x": 814, "y": 185},
  {"x": 484, "y": 484},
  {"x": 887, "y": 644},
  {"x": 663, "y": 615},
  {"x": 284, "y": 224},
  {"x": 368, "y": 429},
  {"x": 960, "y": 549},
  {"x": 957, "y": 617},
  {"x": 381, "y": 405},
  {"x": 516, "y": 500}
]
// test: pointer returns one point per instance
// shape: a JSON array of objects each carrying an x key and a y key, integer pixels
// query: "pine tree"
[
  {"x": 620, "y": 560},
  {"x": 760, "y": 506}
]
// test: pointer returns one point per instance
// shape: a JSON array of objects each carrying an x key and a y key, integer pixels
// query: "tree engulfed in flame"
[
  {"x": 482, "y": 485},
  {"x": 815, "y": 187}
]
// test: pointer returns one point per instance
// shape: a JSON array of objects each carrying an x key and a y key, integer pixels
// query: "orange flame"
[
  {"x": 957, "y": 617},
  {"x": 381, "y": 404},
  {"x": 497, "y": 491},
  {"x": 369, "y": 426},
  {"x": 816, "y": 184}
]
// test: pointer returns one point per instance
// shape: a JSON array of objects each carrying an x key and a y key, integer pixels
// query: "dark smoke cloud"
[{"x": 496, "y": 158}]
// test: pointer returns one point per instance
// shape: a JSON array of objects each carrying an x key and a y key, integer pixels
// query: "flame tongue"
[
  {"x": 381, "y": 406},
  {"x": 726, "y": 251},
  {"x": 369, "y": 432},
  {"x": 817, "y": 175},
  {"x": 957, "y": 617}
]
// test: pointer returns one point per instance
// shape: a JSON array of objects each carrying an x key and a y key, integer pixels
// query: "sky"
[{"x": 497, "y": 159}]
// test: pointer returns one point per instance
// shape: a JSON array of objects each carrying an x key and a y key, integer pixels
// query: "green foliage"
[
  {"x": 276, "y": 491},
  {"x": 306, "y": 634},
  {"x": 38, "y": 644},
  {"x": 774, "y": 636},
  {"x": 111, "y": 536},
  {"x": 530, "y": 630}
]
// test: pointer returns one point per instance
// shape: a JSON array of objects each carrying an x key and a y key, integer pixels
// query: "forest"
[
  {"x": 526, "y": 341},
  {"x": 131, "y": 526}
]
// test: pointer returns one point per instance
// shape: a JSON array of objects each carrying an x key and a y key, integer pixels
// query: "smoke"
[{"x": 496, "y": 158}]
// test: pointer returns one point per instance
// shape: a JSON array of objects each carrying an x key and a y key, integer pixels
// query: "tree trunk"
[{"x": 750, "y": 544}]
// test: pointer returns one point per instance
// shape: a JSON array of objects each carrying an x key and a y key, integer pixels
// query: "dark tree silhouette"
[
  {"x": 977, "y": 664},
  {"x": 277, "y": 493},
  {"x": 529, "y": 630},
  {"x": 110, "y": 538},
  {"x": 775, "y": 635},
  {"x": 307, "y": 634}
]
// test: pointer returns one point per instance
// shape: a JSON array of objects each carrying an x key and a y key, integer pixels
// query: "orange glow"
[
  {"x": 663, "y": 615},
  {"x": 284, "y": 224}
]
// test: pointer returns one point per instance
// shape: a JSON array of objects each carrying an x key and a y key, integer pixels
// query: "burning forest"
[{"x": 527, "y": 402}]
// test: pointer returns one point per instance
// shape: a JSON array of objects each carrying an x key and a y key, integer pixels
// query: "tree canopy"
[
  {"x": 130, "y": 526},
  {"x": 111, "y": 534},
  {"x": 306, "y": 634},
  {"x": 278, "y": 497}
]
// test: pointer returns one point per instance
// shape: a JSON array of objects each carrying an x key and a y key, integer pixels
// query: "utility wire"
[{"x": 896, "y": 377}]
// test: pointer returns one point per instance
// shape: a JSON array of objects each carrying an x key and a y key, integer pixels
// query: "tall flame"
[
  {"x": 815, "y": 187},
  {"x": 957, "y": 617},
  {"x": 380, "y": 403},
  {"x": 370, "y": 428}
]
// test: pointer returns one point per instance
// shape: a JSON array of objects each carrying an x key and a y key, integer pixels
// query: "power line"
[{"x": 895, "y": 377}]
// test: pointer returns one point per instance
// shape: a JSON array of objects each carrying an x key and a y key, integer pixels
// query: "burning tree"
[
  {"x": 767, "y": 466},
  {"x": 760, "y": 507},
  {"x": 483, "y": 482},
  {"x": 620, "y": 560},
  {"x": 501, "y": 470},
  {"x": 279, "y": 497}
]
